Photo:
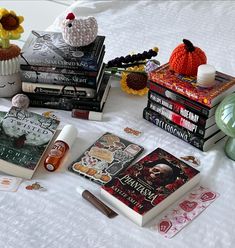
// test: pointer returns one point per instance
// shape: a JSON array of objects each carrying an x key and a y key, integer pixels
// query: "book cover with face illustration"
[
  {"x": 106, "y": 158},
  {"x": 148, "y": 182}
]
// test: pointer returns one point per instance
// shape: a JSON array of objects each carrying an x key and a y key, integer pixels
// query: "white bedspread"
[{"x": 59, "y": 217}]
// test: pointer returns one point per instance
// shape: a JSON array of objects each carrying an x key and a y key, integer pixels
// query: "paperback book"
[
  {"x": 49, "y": 49},
  {"x": 107, "y": 157},
  {"x": 24, "y": 137},
  {"x": 146, "y": 188},
  {"x": 181, "y": 132},
  {"x": 186, "y": 86}
]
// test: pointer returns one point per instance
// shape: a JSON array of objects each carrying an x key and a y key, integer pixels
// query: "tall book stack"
[
  {"x": 178, "y": 106},
  {"x": 57, "y": 75}
]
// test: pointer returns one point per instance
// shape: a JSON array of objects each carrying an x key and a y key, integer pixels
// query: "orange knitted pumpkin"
[{"x": 186, "y": 58}]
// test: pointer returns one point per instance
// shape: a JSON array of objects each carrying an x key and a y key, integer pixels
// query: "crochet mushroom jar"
[{"x": 10, "y": 29}]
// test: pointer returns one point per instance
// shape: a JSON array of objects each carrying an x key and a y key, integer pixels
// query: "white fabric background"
[{"x": 59, "y": 217}]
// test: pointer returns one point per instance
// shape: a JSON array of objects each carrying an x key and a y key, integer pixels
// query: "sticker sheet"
[{"x": 108, "y": 156}]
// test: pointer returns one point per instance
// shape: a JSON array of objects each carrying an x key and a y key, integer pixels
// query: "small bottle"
[{"x": 62, "y": 144}]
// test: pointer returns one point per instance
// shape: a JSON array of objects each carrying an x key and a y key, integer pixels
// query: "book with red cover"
[
  {"x": 186, "y": 86},
  {"x": 149, "y": 186}
]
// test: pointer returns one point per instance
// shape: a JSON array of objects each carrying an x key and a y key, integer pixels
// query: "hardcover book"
[
  {"x": 69, "y": 102},
  {"x": 181, "y": 121},
  {"x": 171, "y": 95},
  {"x": 186, "y": 86},
  {"x": 184, "y": 110},
  {"x": 24, "y": 137},
  {"x": 49, "y": 49},
  {"x": 108, "y": 156},
  {"x": 78, "y": 80},
  {"x": 181, "y": 132},
  {"x": 149, "y": 186}
]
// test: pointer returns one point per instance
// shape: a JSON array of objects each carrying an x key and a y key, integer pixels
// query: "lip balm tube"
[
  {"x": 62, "y": 144},
  {"x": 87, "y": 115}
]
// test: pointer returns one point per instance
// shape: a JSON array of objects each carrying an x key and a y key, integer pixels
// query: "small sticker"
[
  {"x": 132, "y": 131},
  {"x": 101, "y": 154},
  {"x": 35, "y": 186},
  {"x": 110, "y": 139},
  {"x": 115, "y": 168},
  {"x": 132, "y": 149},
  {"x": 8, "y": 183},
  {"x": 192, "y": 160}
]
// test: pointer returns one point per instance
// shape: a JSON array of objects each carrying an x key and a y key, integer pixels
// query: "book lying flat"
[
  {"x": 107, "y": 157},
  {"x": 149, "y": 186},
  {"x": 24, "y": 137},
  {"x": 186, "y": 86}
]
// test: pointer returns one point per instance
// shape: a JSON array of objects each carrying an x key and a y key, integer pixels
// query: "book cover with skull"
[{"x": 144, "y": 186}]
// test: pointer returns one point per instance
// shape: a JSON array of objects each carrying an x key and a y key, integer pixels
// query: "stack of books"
[
  {"x": 177, "y": 105},
  {"x": 57, "y": 75}
]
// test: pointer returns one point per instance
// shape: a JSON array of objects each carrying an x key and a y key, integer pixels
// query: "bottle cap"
[{"x": 68, "y": 134}]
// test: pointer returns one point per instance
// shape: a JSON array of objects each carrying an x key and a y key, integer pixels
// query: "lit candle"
[{"x": 206, "y": 76}]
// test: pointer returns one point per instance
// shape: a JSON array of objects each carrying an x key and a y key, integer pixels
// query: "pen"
[{"x": 103, "y": 208}]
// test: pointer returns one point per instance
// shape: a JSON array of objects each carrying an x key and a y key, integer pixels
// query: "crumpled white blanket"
[{"x": 59, "y": 217}]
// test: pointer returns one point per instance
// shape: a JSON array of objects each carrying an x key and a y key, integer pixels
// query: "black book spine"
[
  {"x": 196, "y": 107},
  {"x": 63, "y": 103},
  {"x": 58, "y": 79},
  {"x": 172, "y": 128},
  {"x": 176, "y": 118}
]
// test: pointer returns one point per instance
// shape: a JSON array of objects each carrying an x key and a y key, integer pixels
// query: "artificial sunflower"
[
  {"x": 135, "y": 81},
  {"x": 10, "y": 27}
]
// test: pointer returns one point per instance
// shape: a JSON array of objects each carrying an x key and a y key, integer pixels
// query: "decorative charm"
[
  {"x": 186, "y": 58},
  {"x": 79, "y": 32},
  {"x": 10, "y": 29},
  {"x": 225, "y": 119},
  {"x": 135, "y": 82},
  {"x": 20, "y": 101}
]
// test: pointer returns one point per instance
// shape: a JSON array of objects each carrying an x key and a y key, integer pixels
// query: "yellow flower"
[
  {"x": 134, "y": 82},
  {"x": 10, "y": 27}
]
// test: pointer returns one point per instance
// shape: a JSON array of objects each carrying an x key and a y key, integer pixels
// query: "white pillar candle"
[{"x": 206, "y": 76}]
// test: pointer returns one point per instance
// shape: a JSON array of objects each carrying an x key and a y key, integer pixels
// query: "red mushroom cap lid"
[{"x": 70, "y": 16}]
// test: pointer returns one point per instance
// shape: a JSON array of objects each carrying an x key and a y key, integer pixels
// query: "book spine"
[
  {"x": 174, "y": 129},
  {"x": 57, "y": 90},
  {"x": 61, "y": 105},
  {"x": 197, "y": 108},
  {"x": 176, "y": 118},
  {"x": 58, "y": 78},
  {"x": 57, "y": 70},
  {"x": 181, "y": 109},
  {"x": 64, "y": 103}
]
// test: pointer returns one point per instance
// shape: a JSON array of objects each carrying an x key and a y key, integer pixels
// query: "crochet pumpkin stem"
[{"x": 189, "y": 45}]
